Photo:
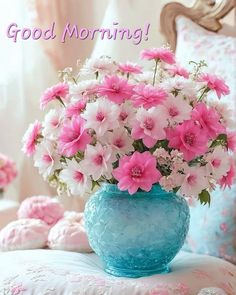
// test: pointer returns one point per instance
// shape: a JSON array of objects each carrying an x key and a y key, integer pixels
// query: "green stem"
[
  {"x": 155, "y": 72},
  {"x": 61, "y": 101}
]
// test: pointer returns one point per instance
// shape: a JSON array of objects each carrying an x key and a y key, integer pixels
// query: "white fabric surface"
[{"x": 47, "y": 272}]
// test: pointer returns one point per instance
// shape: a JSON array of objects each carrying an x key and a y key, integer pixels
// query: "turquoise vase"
[{"x": 136, "y": 235}]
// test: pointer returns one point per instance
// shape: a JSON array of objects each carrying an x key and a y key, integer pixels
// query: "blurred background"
[{"x": 28, "y": 67}]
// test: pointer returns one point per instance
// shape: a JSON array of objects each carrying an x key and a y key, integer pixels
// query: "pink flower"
[
  {"x": 137, "y": 172},
  {"x": 148, "y": 96},
  {"x": 115, "y": 89},
  {"x": 120, "y": 141},
  {"x": 231, "y": 141},
  {"x": 176, "y": 109},
  {"x": 162, "y": 54},
  {"x": 176, "y": 70},
  {"x": 73, "y": 137},
  {"x": 58, "y": 91},
  {"x": 76, "y": 108},
  {"x": 217, "y": 162},
  {"x": 209, "y": 120},
  {"x": 189, "y": 138},
  {"x": 229, "y": 178},
  {"x": 41, "y": 207},
  {"x": 130, "y": 68},
  {"x": 7, "y": 171},
  {"x": 149, "y": 126},
  {"x": 30, "y": 138},
  {"x": 215, "y": 83}
]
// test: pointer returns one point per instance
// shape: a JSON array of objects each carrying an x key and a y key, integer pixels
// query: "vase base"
[{"x": 135, "y": 273}]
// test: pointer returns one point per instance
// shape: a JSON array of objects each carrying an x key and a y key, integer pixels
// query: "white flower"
[
  {"x": 98, "y": 161},
  {"x": 81, "y": 88},
  {"x": 103, "y": 65},
  {"x": 194, "y": 181},
  {"x": 176, "y": 109},
  {"x": 46, "y": 159},
  {"x": 126, "y": 114},
  {"x": 120, "y": 141},
  {"x": 77, "y": 182},
  {"x": 146, "y": 77},
  {"x": 218, "y": 163},
  {"x": 52, "y": 123},
  {"x": 101, "y": 116}
]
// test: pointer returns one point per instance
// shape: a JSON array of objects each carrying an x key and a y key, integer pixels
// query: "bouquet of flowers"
[
  {"x": 7, "y": 172},
  {"x": 117, "y": 123}
]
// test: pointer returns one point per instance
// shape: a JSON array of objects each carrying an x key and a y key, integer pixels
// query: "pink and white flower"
[
  {"x": 176, "y": 109},
  {"x": 218, "y": 164},
  {"x": 59, "y": 91},
  {"x": 159, "y": 54},
  {"x": 100, "y": 158},
  {"x": 82, "y": 89},
  {"x": 228, "y": 179},
  {"x": 216, "y": 84},
  {"x": 130, "y": 68},
  {"x": 188, "y": 138},
  {"x": 126, "y": 115},
  {"x": 120, "y": 141},
  {"x": 148, "y": 96},
  {"x": 8, "y": 171},
  {"x": 52, "y": 123},
  {"x": 102, "y": 65},
  {"x": 115, "y": 89},
  {"x": 31, "y": 137},
  {"x": 176, "y": 70},
  {"x": 73, "y": 137},
  {"x": 77, "y": 182},
  {"x": 137, "y": 172},
  {"x": 76, "y": 108},
  {"x": 149, "y": 126},
  {"x": 194, "y": 181},
  {"x": 101, "y": 116},
  {"x": 45, "y": 159},
  {"x": 208, "y": 119}
]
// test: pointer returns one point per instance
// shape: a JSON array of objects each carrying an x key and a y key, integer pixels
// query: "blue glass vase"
[{"x": 136, "y": 235}]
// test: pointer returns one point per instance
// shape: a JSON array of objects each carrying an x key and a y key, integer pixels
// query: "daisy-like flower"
[
  {"x": 137, "y": 172},
  {"x": 176, "y": 109},
  {"x": 162, "y": 54},
  {"x": 59, "y": 91},
  {"x": 120, "y": 141},
  {"x": 76, "y": 108},
  {"x": 149, "y": 126},
  {"x": 148, "y": 96},
  {"x": 77, "y": 182},
  {"x": 126, "y": 114},
  {"x": 228, "y": 179},
  {"x": 98, "y": 161},
  {"x": 216, "y": 84},
  {"x": 30, "y": 138},
  {"x": 46, "y": 159},
  {"x": 73, "y": 137},
  {"x": 176, "y": 70},
  {"x": 208, "y": 119},
  {"x": 188, "y": 138},
  {"x": 103, "y": 65},
  {"x": 217, "y": 162},
  {"x": 101, "y": 116},
  {"x": 194, "y": 181},
  {"x": 130, "y": 68},
  {"x": 82, "y": 89},
  {"x": 52, "y": 123},
  {"x": 115, "y": 89}
]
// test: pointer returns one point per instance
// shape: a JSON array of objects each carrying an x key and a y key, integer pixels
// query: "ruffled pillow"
[
  {"x": 24, "y": 234},
  {"x": 69, "y": 234},
  {"x": 41, "y": 207}
]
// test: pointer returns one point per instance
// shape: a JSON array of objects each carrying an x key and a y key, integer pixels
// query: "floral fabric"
[{"x": 47, "y": 272}]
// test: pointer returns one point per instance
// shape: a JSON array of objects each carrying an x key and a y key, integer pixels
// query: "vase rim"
[{"x": 113, "y": 188}]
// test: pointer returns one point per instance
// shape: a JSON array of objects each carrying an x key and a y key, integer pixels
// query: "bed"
[{"x": 48, "y": 272}]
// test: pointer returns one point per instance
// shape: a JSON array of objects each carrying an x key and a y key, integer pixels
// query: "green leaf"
[
  {"x": 205, "y": 197},
  {"x": 220, "y": 140}
]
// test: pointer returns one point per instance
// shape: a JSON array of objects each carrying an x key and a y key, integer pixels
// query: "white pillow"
[{"x": 219, "y": 51}]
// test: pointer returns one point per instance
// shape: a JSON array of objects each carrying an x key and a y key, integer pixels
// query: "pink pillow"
[
  {"x": 41, "y": 207},
  {"x": 69, "y": 234},
  {"x": 24, "y": 234}
]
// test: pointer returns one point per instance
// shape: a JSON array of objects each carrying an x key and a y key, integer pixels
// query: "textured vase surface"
[{"x": 136, "y": 235}]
